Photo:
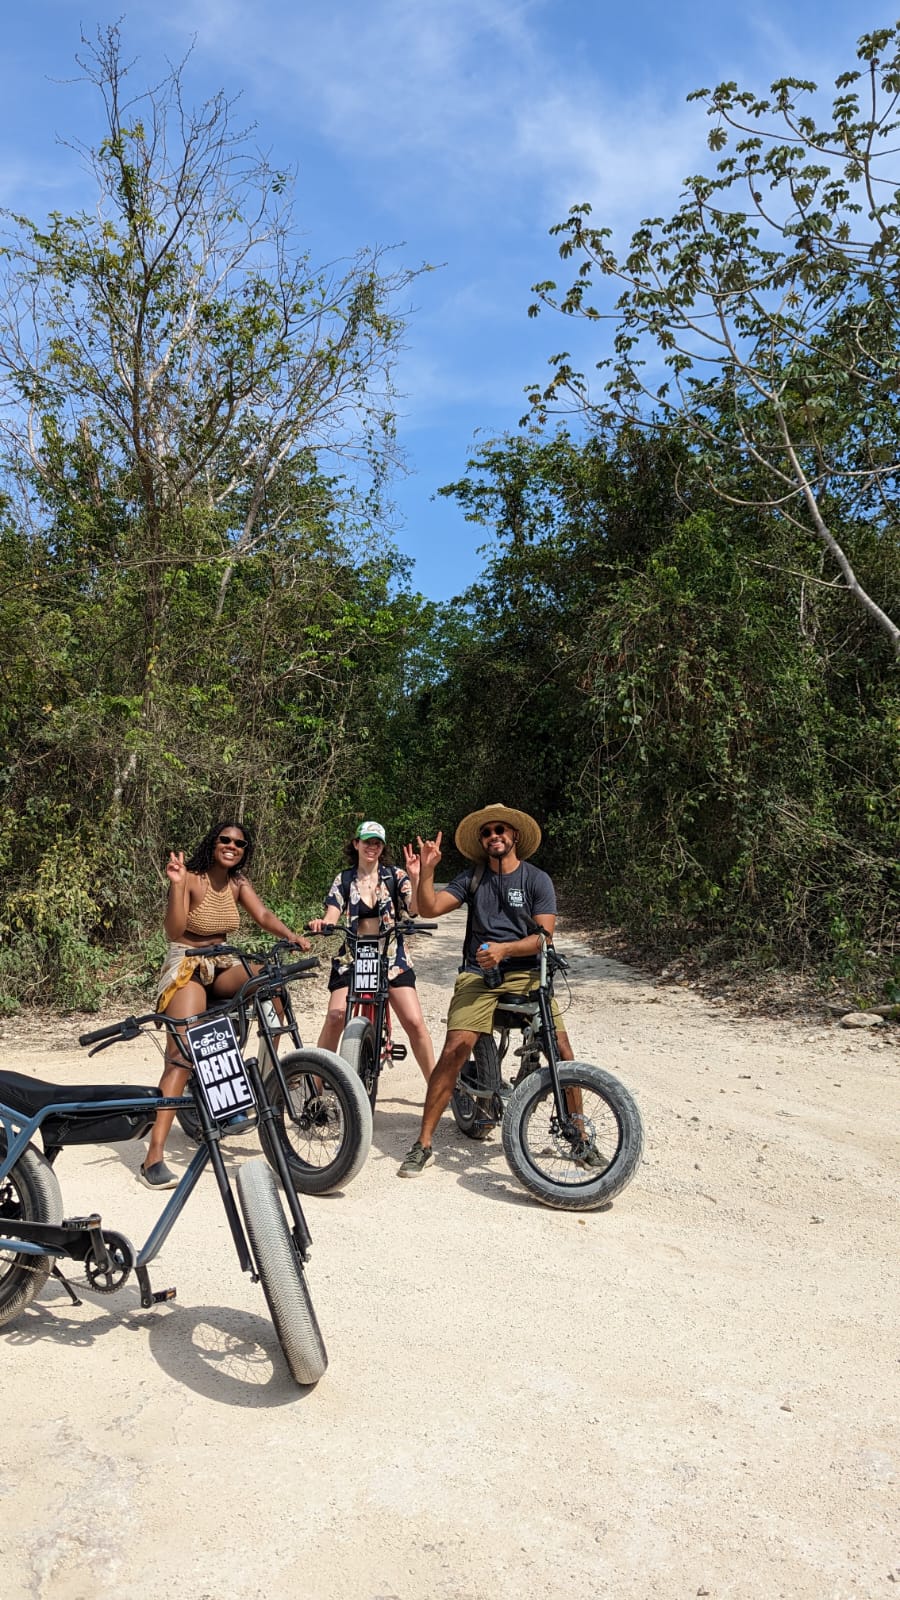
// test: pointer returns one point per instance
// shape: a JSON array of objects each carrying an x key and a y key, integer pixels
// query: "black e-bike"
[
  {"x": 571, "y": 1132},
  {"x": 229, "y": 1096}
]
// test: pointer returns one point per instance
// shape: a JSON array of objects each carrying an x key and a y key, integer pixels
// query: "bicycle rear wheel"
[
  {"x": 474, "y": 1115},
  {"x": 325, "y": 1129},
  {"x": 357, "y": 1047},
  {"x": 281, "y": 1273},
  {"x": 573, "y": 1173},
  {"x": 28, "y": 1193},
  {"x": 188, "y": 1119}
]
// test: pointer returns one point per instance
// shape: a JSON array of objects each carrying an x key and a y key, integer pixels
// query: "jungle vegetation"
[{"x": 684, "y": 640}]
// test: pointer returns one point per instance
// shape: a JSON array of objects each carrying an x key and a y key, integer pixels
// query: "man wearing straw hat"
[{"x": 503, "y": 893}]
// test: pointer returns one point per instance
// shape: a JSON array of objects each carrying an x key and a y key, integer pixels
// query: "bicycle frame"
[
  {"x": 80, "y": 1236},
  {"x": 541, "y": 1032},
  {"x": 254, "y": 1002}
]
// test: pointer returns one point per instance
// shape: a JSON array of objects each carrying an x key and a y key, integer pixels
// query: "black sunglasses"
[
  {"x": 236, "y": 844},
  {"x": 493, "y": 827}
]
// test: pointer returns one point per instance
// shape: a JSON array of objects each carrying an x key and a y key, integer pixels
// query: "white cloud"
[{"x": 462, "y": 101}]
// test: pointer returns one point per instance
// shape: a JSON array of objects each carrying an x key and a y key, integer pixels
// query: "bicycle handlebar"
[
  {"x": 128, "y": 1028},
  {"x": 113, "y": 1032},
  {"x": 299, "y": 969},
  {"x": 344, "y": 927}
]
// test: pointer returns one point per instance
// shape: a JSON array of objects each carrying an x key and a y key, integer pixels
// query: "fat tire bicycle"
[
  {"x": 323, "y": 1120},
  {"x": 367, "y": 1042},
  {"x": 571, "y": 1132},
  {"x": 35, "y": 1234}
]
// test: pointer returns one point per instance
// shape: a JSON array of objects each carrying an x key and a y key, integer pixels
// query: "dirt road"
[{"x": 692, "y": 1393}]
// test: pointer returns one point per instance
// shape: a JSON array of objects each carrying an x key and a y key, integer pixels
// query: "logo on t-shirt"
[{"x": 516, "y": 898}]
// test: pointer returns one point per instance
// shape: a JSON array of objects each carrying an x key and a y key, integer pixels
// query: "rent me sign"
[{"x": 219, "y": 1070}]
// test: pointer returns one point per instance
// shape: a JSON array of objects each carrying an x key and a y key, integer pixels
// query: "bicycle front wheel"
[
  {"x": 586, "y": 1161},
  {"x": 357, "y": 1047},
  {"x": 325, "y": 1129},
  {"x": 28, "y": 1193},
  {"x": 281, "y": 1273}
]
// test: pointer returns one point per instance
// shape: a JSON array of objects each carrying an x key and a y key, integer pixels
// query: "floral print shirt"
[{"x": 348, "y": 906}]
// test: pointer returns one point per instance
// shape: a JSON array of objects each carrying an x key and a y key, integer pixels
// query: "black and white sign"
[
  {"x": 365, "y": 973},
  {"x": 219, "y": 1070}
]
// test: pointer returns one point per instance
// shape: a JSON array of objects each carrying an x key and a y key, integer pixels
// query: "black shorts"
[{"x": 341, "y": 980}]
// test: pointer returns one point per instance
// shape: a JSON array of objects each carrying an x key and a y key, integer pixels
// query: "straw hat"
[{"x": 469, "y": 844}]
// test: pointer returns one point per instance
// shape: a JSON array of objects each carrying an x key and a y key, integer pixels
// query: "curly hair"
[{"x": 202, "y": 858}]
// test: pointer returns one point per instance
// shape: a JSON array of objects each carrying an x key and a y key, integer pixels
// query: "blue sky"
[{"x": 457, "y": 130}]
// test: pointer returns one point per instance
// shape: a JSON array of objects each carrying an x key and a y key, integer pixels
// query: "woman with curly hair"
[{"x": 206, "y": 896}]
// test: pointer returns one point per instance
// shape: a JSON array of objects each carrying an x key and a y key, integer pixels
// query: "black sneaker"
[
  {"x": 415, "y": 1161},
  {"x": 158, "y": 1176}
]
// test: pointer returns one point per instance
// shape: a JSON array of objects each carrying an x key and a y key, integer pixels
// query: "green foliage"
[
  {"x": 189, "y": 600},
  {"x": 714, "y": 752},
  {"x": 200, "y": 618},
  {"x": 47, "y": 931},
  {"x": 760, "y": 321}
]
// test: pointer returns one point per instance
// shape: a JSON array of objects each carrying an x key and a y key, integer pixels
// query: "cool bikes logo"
[
  {"x": 217, "y": 1040},
  {"x": 516, "y": 898}
]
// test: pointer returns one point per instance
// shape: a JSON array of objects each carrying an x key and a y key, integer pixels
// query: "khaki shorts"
[{"x": 473, "y": 1004}]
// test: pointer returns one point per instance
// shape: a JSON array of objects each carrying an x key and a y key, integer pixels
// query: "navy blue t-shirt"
[{"x": 502, "y": 905}]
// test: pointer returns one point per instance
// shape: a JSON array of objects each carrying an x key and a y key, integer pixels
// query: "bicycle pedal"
[
  {"x": 161, "y": 1295},
  {"x": 398, "y": 1052},
  {"x": 78, "y": 1223}
]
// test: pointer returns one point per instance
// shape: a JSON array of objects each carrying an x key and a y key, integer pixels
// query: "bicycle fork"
[
  {"x": 269, "y": 1117},
  {"x": 566, "y": 1114}
]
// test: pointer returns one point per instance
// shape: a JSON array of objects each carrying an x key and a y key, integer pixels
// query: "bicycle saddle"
[
  {"x": 520, "y": 1005},
  {"x": 30, "y": 1095}
]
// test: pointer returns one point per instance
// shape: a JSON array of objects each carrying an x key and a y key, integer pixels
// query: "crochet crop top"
[{"x": 217, "y": 913}]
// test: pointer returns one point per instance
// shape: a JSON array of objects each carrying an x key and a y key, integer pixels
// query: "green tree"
[
  {"x": 760, "y": 321},
  {"x": 195, "y": 431},
  {"x": 711, "y": 743},
  {"x": 172, "y": 365}
]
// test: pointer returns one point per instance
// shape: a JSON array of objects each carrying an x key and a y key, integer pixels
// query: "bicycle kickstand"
[{"x": 56, "y": 1273}]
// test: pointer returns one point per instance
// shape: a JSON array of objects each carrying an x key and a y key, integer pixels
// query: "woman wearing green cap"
[{"x": 373, "y": 895}]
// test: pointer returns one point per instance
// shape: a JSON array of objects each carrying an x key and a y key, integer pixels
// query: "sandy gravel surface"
[{"x": 695, "y": 1392}]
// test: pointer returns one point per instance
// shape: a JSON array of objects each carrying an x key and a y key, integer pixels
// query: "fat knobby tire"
[
  {"x": 357, "y": 1048},
  {"x": 29, "y": 1193},
  {"x": 281, "y": 1272},
  {"x": 536, "y": 1160},
  {"x": 327, "y": 1132},
  {"x": 468, "y": 1113}
]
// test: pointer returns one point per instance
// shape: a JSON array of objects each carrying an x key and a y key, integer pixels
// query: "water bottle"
[{"x": 492, "y": 975}]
